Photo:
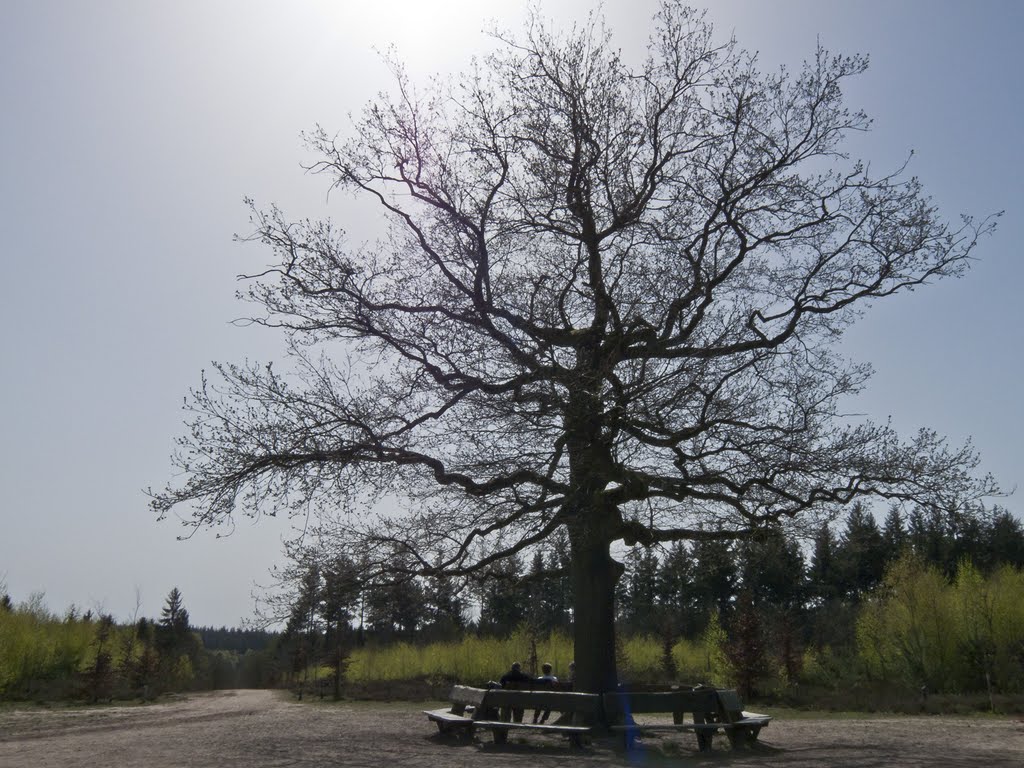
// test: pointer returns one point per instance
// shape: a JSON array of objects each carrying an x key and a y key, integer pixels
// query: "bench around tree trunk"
[
  {"x": 711, "y": 710},
  {"x": 501, "y": 711}
]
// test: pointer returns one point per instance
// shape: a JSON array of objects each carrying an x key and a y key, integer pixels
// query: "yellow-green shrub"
[
  {"x": 472, "y": 659},
  {"x": 963, "y": 636},
  {"x": 478, "y": 659}
]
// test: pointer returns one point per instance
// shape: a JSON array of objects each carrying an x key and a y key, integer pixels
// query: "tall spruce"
[{"x": 862, "y": 553}]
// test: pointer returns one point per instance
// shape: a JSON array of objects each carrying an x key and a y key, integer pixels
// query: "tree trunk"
[
  {"x": 339, "y": 661},
  {"x": 594, "y": 576},
  {"x": 592, "y": 524}
]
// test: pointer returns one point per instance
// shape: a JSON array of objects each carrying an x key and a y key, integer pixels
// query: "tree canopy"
[{"x": 608, "y": 303}]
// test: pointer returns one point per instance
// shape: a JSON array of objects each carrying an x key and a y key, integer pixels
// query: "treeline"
[
  {"x": 863, "y": 603},
  {"x": 776, "y": 612},
  {"x": 235, "y": 640},
  {"x": 928, "y": 601},
  {"x": 817, "y": 589},
  {"x": 89, "y": 656}
]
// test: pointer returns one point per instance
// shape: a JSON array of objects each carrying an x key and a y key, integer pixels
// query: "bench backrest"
[
  {"x": 539, "y": 685},
  {"x": 676, "y": 702},
  {"x": 559, "y": 701},
  {"x": 731, "y": 708},
  {"x": 462, "y": 696}
]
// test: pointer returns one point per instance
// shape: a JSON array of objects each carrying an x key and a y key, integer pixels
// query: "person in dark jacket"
[{"x": 516, "y": 678}]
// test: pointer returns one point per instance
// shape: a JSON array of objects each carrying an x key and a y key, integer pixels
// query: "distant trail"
[{"x": 265, "y": 729}]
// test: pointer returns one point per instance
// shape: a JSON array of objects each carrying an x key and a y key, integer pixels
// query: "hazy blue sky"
[{"x": 131, "y": 130}]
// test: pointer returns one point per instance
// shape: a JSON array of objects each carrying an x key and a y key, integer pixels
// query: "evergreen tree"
[
  {"x": 302, "y": 630},
  {"x": 824, "y": 579},
  {"x": 543, "y": 613},
  {"x": 968, "y": 540},
  {"x": 929, "y": 538},
  {"x": 772, "y": 573},
  {"x": 894, "y": 534},
  {"x": 338, "y": 597},
  {"x": 173, "y": 627},
  {"x": 394, "y": 608},
  {"x": 830, "y": 620},
  {"x": 640, "y": 607},
  {"x": 146, "y": 669},
  {"x": 747, "y": 649},
  {"x": 1005, "y": 538},
  {"x": 303, "y": 617},
  {"x": 862, "y": 554},
  {"x": 676, "y": 594},
  {"x": 772, "y": 570},
  {"x": 338, "y": 593},
  {"x": 504, "y": 601},
  {"x": 444, "y": 608},
  {"x": 180, "y": 654},
  {"x": 714, "y": 576},
  {"x": 559, "y": 582},
  {"x": 100, "y": 677}
]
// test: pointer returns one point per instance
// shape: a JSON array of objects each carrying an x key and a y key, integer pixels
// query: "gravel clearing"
[{"x": 260, "y": 729}]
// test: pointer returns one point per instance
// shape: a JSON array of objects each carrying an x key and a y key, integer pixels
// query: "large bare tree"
[{"x": 608, "y": 301}]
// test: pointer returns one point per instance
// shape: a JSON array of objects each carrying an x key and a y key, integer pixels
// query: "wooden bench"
[
  {"x": 500, "y": 711},
  {"x": 740, "y": 726},
  {"x": 458, "y": 718},
  {"x": 711, "y": 710}
]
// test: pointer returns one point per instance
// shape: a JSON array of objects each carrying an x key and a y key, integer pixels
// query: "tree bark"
[{"x": 594, "y": 576}]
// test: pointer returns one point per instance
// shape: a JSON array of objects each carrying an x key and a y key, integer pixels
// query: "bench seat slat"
[
  {"x": 448, "y": 717},
  {"x": 503, "y": 725},
  {"x": 640, "y": 727}
]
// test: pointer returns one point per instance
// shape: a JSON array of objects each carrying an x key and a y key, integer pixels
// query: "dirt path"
[{"x": 260, "y": 729}]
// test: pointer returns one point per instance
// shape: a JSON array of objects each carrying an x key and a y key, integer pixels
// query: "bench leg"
[
  {"x": 500, "y": 736},
  {"x": 704, "y": 740},
  {"x": 743, "y": 736}
]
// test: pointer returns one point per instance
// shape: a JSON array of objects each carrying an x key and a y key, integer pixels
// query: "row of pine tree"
[{"x": 674, "y": 589}]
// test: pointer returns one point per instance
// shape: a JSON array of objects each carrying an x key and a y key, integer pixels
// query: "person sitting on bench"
[
  {"x": 515, "y": 678},
  {"x": 546, "y": 680}
]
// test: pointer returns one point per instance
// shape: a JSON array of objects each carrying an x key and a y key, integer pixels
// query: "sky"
[{"x": 131, "y": 131}]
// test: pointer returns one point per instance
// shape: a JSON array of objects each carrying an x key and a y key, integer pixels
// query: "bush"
[{"x": 921, "y": 630}]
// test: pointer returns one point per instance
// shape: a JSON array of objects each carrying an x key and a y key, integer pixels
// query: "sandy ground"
[{"x": 259, "y": 729}]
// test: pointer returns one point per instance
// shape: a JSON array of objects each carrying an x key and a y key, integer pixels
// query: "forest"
[
  {"x": 927, "y": 607},
  {"x": 89, "y": 656},
  {"x": 925, "y": 603}
]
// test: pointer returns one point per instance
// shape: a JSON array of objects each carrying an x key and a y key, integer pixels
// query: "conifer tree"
[
  {"x": 862, "y": 553},
  {"x": 675, "y": 591},
  {"x": 894, "y": 534},
  {"x": 504, "y": 601},
  {"x": 715, "y": 576},
  {"x": 1006, "y": 538},
  {"x": 174, "y": 623}
]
